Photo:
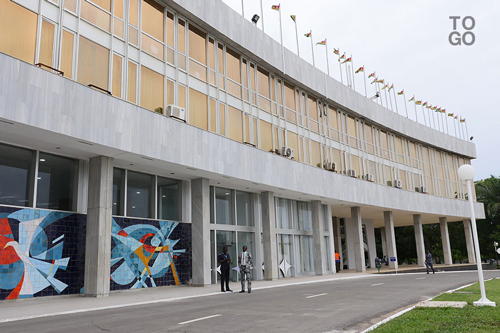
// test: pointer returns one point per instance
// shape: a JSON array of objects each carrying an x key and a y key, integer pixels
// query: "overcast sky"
[{"x": 407, "y": 44}]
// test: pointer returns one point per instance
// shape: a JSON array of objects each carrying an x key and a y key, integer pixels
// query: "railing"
[
  {"x": 51, "y": 68},
  {"x": 99, "y": 88}
]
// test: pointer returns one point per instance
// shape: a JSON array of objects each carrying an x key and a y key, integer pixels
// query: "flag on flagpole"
[
  {"x": 371, "y": 75},
  {"x": 347, "y": 60},
  {"x": 293, "y": 17},
  {"x": 425, "y": 104},
  {"x": 412, "y": 99},
  {"x": 323, "y": 42},
  {"x": 418, "y": 102},
  {"x": 374, "y": 80},
  {"x": 342, "y": 57},
  {"x": 450, "y": 114},
  {"x": 434, "y": 108},
  {"x": 456, "y": 117},
  {"x": 381, "y": 81},
  {"x": 336, "y": 51},
  {"x": 276, "y": 7},
  {"x": 360, "y": 69},
  {"x": 462, "y": 120},
  {"x": 443, "y": 111},
  {"x": 384, "y": 87},
  {"x": 308, "y": 34},
  {"x": 401, "y": 92},
  {"x": 438, "y": 110},
  {"x": 391, "y": 87}
]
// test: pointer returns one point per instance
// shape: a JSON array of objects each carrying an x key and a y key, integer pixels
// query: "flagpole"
[
  {"x": 423, "y": 114},
  {"x": 390, "y": 98},
  {"x": 395, "y": 100},
  {"x": 296, "y": 35},
  {"x": 454, "y": 126},
  {"x": 281, "y": 34},
  {"x": 406, "y": 107},
  {"x": 387, "y": 104},
  {"x": 466, "y": 130},
  {"x": 312, "y": 46},
  {"x": 242, "y": 9},
  {"x": 352, "y": 73},
  {"x": 415, "y": 105},
  {"x": 364, "y": 77},
  {"x": 433, "y": 118},
  {"x": 340, "y": 66},
  {"x": 447, "y": 130},
  {"x": 347, "y": 76},
  {"x": 262, "y": 15},
  {"x": 326, "y": 51}
]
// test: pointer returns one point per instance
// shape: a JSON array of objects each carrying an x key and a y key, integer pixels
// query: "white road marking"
[
  {"x": 420, "y": 278},
  {"x": 192, "y": 321},
  {"x": 316, "y": 295},
  {"x": 376, "y": 284}
]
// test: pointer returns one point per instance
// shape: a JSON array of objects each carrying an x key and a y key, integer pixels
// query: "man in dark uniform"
[
  {"x": 428, "y": 262},
  {"x": 224, "y": 260}
]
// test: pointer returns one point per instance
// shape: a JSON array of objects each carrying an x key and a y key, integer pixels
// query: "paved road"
[{"x": 350, "y": 305}]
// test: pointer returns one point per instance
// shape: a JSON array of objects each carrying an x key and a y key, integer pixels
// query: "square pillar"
[
  {"x": 200, "y": 215},
  {"x": 359, "y": 250},
  {"x": 390, "y": 239},
  {"x": 99, "y": 221},
  {"x": 469, "y": 242},
  {"x": 331, "y": 239},
  {"x": 318, "y": 239},
  {"x": 370, "y": 238},
  {"x": 419, "y": 239},
  {"x": 338, "y": 240},
  {"x": 269, "y": 236},
  {"x": 257, "y": 255},
  {"x": 445, "y": 238}
]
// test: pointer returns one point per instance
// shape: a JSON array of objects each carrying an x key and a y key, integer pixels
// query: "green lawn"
[{"x": 469, "y": 319}]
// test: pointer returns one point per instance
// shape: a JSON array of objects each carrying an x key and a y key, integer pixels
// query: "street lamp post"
[
  {"x": 466, "y": 172},
  {"x": 496, "y": 253}
]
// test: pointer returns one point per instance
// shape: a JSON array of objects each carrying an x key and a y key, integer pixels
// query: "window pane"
[
  {"x": 67, "y": 54},
  {"x": 263, "y": 81},
  {"x": 233, "y": 65},
  {"x": 168, "y": 199},
  {"x": 198, "y": 109},
  {"x": 95, "y": 15},
  {"x": 133, "y": 12},
  {"x": 17, "y": 168},
  {"x": 293, "y": 142},
  {"x": 244, "y": 208},
  {"x": 315, "y": 152},
  {"x": 223, "y": 206},
  {"x": 117, "y": 75},
  {"x": 222, "y": 114},
  {"x": 57, "y": 182},
  {"x": 266, "y": 136},
  {"x": 313, "y": 109},
  {"x": 93, "y": 64},
  {"x": 104, "y": 4},
  {"x": 182, "y": 36},
  {"x": 170, "y": 92},
  {"x": 152, "y": 46},
  {"x": 70, "y": 5},
  {"x": 213, "y": 116},
  {"x": 46, "y": 43},
  {"x": 118, "y": 10},
  {"x": 151, "y": 90},
  {"x": 152, "y": 19},
  {"x": 139, "y": 194},
  {"x": 197, "y": 45},
  {"x": 18, "y": 27},
  {"x": 133, "y": 36},
  {"x": 235, "y": 124},
  {"x": 170, "y": 29},
  {"x": 132, "y": 79},
  {"x": 118, "y": 191},
  {"x": 182, "y": 96}
]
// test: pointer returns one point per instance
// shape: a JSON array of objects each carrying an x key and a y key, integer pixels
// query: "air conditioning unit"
[
  {"x": 369, "y": 177},
  {"x": 397, "y": 183},
  {"x": 423, "y": 189},
  {"x": 351, "y": 173},
  {"x": 287, "y": 152},
  {"x": 331, "y": 166},
  {"x": 177, "y": 112}
]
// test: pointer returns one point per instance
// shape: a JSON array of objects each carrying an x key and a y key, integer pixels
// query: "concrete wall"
[{"x": 47, "y": 108}]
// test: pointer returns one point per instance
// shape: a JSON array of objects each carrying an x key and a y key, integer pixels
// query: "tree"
[{"x": 488, "y": 230}]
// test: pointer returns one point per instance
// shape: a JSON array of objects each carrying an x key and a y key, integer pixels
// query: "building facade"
[{"x": 101, "y": 190}]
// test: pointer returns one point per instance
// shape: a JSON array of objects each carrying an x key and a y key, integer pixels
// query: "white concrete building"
[{"x": 101, "y": 190}]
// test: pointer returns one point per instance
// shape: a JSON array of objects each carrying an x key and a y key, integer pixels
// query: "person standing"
[
  {"x": 245, "y": 263},
  {"x": 224, "y": 261},
  {"x": 337, "y": 261},
  {"x": 428, "y": 262}
]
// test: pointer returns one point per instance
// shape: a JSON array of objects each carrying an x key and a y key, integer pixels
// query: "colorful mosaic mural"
[
  {"x": 41, "y": 253},
  {"x": 147, "y": 253}
]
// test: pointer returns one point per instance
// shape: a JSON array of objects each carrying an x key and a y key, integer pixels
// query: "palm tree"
[{"x": 488, "y": 192}]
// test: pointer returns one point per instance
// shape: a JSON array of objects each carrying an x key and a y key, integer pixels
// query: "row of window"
[{"x": 317, "y": 132}]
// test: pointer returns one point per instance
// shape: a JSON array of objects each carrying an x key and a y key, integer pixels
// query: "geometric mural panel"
[
  {"x": 149, "y": 253},
  {"x": 42, "y": 252}
]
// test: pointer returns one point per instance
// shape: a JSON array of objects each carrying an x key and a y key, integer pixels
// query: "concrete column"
[
  {"x": 370, "y": 237},
  {"x": 338, "y": 240},
  {"x": 257, "y": 260},
  {"x": 185, "y": 204},
  {"x": 269, "y": 236},
  {"x": 200, "y": 229},
  {"x": 99, "y": 220},
  {"x": 384, "y": 243},
  {"x": 445, "y": 238},
  {"x": 331, "y": 238},
  {"x": 318, "y": 239},
  {"x": 419, "y": 239},
  {"x": 359, "y": 250},
  {"x": 390, "y": 239},
  {"x": 469, "y": 242}
]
